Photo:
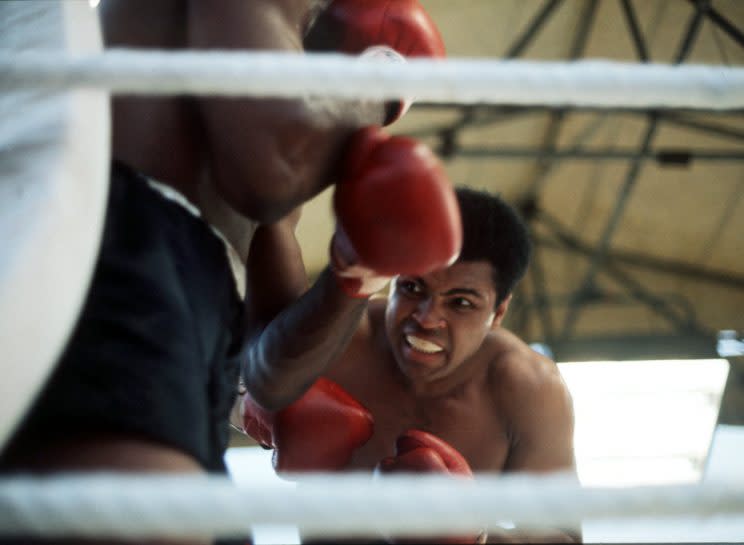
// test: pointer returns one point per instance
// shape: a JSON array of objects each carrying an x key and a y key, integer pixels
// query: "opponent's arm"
[
  {"x": 116, "y": 452},
  {"x": 268, "y": 156},
  {"x": 399, "y": 215}
]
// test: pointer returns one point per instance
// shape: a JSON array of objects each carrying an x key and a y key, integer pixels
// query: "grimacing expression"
[{"x": 435, "y": 322}]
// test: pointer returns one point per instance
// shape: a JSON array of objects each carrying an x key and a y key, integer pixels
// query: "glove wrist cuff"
[{"x": 355, "y": 281}]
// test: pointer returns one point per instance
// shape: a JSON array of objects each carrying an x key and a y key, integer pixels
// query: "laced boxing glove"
[
  {"x": 318, "y": 432},
  {"x": 391, "y": 29},
  {"x": 396, "y": 212},
  {"x": 419, "y": 451}
]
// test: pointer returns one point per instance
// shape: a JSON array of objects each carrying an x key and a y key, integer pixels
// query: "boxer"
[{"x": 446, "y": 388}]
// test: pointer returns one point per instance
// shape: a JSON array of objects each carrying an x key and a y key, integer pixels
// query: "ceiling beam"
[
  {"x": 620, "y": 257},
  {"x": 613, "y": 222},
  {"x": 545, "y": 165},
  {"x": 658, "y": 304},
  {"x": 635, "y": 30},
  {"x": 719, "y": 20},
  {"x": 669, "y": 156},
  {"x": 537, "y": 22}
]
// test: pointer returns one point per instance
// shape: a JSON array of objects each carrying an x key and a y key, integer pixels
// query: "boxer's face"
[{"x": 436, "y": 322}]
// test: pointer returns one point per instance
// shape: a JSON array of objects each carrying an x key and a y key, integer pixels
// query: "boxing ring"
[
  {"x": 333, "y": 505},
  {"x": 592, "y": 83},
  {"x": 59, "y": 178}
]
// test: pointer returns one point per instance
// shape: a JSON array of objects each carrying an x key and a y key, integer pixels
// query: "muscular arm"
[
  {"x": 293, "y": 333},
  {"x": 109, "y": 453},
  {"x": 543, "y": 426},
  {"x": 543, "y": 429},
  {"x": 268, "y": 156}
]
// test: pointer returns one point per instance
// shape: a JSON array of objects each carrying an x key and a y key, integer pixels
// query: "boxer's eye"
[{"x": 462, "y": 303}]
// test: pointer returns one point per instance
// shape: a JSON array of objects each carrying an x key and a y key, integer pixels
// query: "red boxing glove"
[
  {"x": 402, "y": 25},
  {"x": 390, "y": 29},
  {"x": 395, "y": 206},
  {"x": 355, "y": 280},
  {"x": 318, "y": 432},
  {"x": 421, "y": 452}
]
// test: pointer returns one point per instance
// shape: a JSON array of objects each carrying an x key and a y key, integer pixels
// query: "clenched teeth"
[{"x": 422, "y": 345}]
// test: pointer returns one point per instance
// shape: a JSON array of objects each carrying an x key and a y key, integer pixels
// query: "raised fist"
[{"x": 397, "y": 212}]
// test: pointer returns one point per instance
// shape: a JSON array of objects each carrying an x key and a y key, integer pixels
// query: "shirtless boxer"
[
  {"x": 432, "y": 382},
  {"x": 200, "y": 188}
]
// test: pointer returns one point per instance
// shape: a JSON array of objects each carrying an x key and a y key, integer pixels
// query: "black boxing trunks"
[{"x": 155, "y": 350}]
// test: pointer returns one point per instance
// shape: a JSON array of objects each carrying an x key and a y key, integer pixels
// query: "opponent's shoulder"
[
  {"x": 259, "y": 24},
  {"x": 143, "y": 24}
]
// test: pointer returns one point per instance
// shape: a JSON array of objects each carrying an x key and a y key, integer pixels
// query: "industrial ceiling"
[{"x": 637, "y": 216}]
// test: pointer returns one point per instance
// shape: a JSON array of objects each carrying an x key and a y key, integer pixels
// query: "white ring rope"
[
  {"x": 592, "y": 83},
  {"x": 335, "y": 504}
]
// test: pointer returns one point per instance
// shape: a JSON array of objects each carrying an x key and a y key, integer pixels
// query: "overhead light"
[{"x": 728, "y": 345}]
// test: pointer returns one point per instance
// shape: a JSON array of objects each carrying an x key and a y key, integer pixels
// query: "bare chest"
[{"x": 469, "y": 423}]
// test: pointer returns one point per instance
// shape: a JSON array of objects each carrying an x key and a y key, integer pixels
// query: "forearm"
[{"x": 286, "y": 357}]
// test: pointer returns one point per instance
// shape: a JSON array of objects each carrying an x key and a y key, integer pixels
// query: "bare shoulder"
[
  {"x": 519, "y": 373},
  {"x": 249, "y": 25},
  {"x": 536, "y": 406},
  {"x": 376, "y": 311},
  {"x": 364, "y": 342},
  {"x": 514, "y": 361},
  {"x": 372, "y": 324}
]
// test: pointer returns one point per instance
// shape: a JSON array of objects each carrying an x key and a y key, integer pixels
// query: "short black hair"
[{"x": 495, "y": 232}]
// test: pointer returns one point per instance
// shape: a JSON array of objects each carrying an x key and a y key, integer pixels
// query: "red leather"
[
  {"x": 396, "y": 205},
  {"x": 354, "y": 279},
  {"x": 402, "y": 25},
  {"x": 363, "y": 26},
  {"x": 419, "y": 451},
  {"x": 257, "y": 422},
  {"x": 318, "y": 432}
]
